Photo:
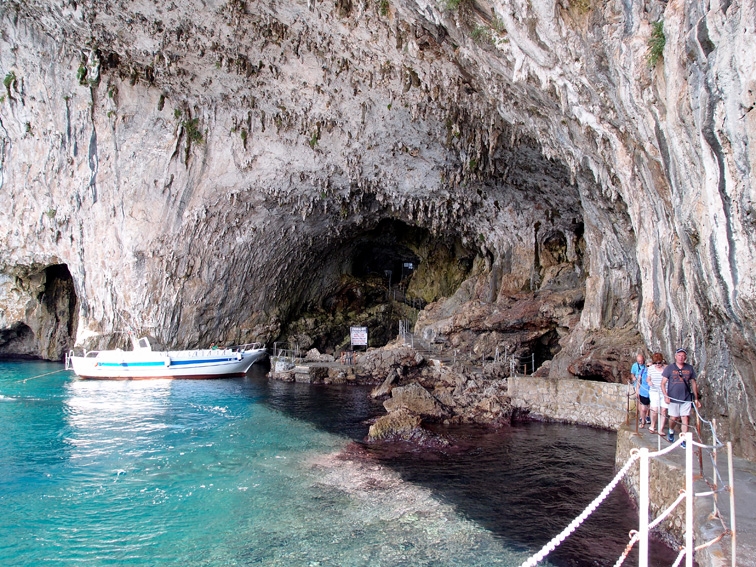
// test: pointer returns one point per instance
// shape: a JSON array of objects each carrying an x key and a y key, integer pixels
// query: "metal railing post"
[
  {"x": 643, "y": 510},
  {"x": 714, "y": 464},
  {"x": 733, "y": 531},
  {"x": 700, "y": 449},
  {"x": 688, "y": 499}
]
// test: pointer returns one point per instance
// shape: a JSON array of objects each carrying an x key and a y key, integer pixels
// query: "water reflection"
[{"x": 107, "y": 416}]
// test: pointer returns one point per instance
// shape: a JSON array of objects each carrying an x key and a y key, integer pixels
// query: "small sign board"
[{"x": 359, "y": 336}]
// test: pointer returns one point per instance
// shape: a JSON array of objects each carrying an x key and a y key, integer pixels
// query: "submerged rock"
[{"x": 403, "y": 425}]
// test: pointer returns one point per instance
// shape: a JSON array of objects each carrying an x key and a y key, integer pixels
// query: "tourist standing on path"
[
  {"x": 640, "y": 382},
  {"x": 658, "y": 405},
  {"x": 680, "y": 391}
]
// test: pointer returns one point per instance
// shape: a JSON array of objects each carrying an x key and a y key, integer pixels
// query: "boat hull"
[{"x": 199, "y": 364}]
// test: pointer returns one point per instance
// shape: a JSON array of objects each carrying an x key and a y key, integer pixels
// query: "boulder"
[
  {"x": 415, "y": 399},
  {"x": 403, "y": 425},
  {"x": 385, "y": 388},
  {"x": 375, "y": 365},
  {"x": 314, "y": 355},
  {"x": 400, "y": 423}
]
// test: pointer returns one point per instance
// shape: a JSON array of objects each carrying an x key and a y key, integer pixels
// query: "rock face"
[
  {"x": 415, "y": 399},
  {"x": 468, "y": 397},
  {"x": 439, "y": 392},
  {"x": 524, "y": 326},
  {"x": 209, "y": 171},
  {"x": 375, "y": 365}
]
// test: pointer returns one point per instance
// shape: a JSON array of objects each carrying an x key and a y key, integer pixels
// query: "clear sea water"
[{"x": 250, "y": 472}]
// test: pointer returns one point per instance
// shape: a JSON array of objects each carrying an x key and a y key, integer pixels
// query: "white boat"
[{"x": 143, "y": 362}]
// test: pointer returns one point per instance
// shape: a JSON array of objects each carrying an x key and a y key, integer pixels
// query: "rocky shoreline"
[
  {"x": 422, "y": 396},
  {"x": 416, "y": 391}
]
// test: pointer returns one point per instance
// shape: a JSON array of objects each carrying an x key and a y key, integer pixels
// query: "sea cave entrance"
[
  {"x": 383, "y": 275},
  {"x": 46, "y": 308}
]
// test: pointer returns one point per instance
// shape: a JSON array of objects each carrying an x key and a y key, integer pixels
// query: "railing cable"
[{"x": 574, "y": 524}]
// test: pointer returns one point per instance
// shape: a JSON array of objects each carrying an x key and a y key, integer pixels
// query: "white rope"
[
  {"x": 575, "y": 524},
  {"x": 679, "y": 557},
  {"x": 704, "y": 446},
  {"x": 668, "y": 511},
  {"x": 710, "y": 449},
  {"x": 669, "y": 449},
  {"x": 572, "y": 526},
  {"x": 712, "y": 492},
  {"x": 633, "y": 540},
  {"x": 634, "y": 536},
  {"x": 39, "y": 376}
]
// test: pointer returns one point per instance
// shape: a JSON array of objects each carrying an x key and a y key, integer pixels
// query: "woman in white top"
[{"x": 658, "y": 405}]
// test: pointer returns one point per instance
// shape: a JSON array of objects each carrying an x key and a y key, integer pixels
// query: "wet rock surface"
[
  {"x": 404, "y": 425},
  {"x": 210, "y": 171},
  {"x": 427, "y": 393},
  {"x": 414, "y": 399}
]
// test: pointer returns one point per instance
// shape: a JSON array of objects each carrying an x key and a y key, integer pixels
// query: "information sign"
[{"x": 359, "y": 336}]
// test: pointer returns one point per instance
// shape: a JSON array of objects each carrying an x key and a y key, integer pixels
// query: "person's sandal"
[
  {"x": 641, "y": 426},
  {"x": 651, "y": 430}
]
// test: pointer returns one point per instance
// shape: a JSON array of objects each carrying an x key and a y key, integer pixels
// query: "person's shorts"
[
  {"x": 678, "y": 409},
  {"x": 657, "y": 400},
  {"x": 644, "y": 400}
]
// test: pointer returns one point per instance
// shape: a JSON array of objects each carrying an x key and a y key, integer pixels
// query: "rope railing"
[
  {"x": 575, "y": 524},
  {"x": 715, "y": 482},
  {"x": 686, "y": 440},
  {"x": 687, "y": 495}
]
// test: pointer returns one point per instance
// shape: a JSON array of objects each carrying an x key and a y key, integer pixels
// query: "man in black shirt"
[{"x": 680, "y": 391}]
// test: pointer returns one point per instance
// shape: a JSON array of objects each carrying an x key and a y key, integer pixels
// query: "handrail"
[{"x": 687, "y": 494}]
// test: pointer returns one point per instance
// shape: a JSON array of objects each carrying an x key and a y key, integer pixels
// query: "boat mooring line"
[{"x": 40, "y": 376}]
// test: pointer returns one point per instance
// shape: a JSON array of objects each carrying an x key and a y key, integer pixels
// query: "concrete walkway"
[{"x": 707, "y": 527}]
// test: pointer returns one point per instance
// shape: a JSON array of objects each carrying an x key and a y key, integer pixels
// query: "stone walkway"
[{"x": 708, "y": 528}]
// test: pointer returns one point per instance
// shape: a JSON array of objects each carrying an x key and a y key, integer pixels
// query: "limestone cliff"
[{"x": 209, "y": 170}]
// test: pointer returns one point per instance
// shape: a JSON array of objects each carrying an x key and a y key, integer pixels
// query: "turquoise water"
[{"x": 208, "y": 473}]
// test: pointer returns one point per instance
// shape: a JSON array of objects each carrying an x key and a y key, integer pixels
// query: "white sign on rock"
[{"x": 359, "y": 336}]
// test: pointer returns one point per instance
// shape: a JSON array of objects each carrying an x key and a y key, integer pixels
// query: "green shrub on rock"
[{"x": 656, "y": 43}]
